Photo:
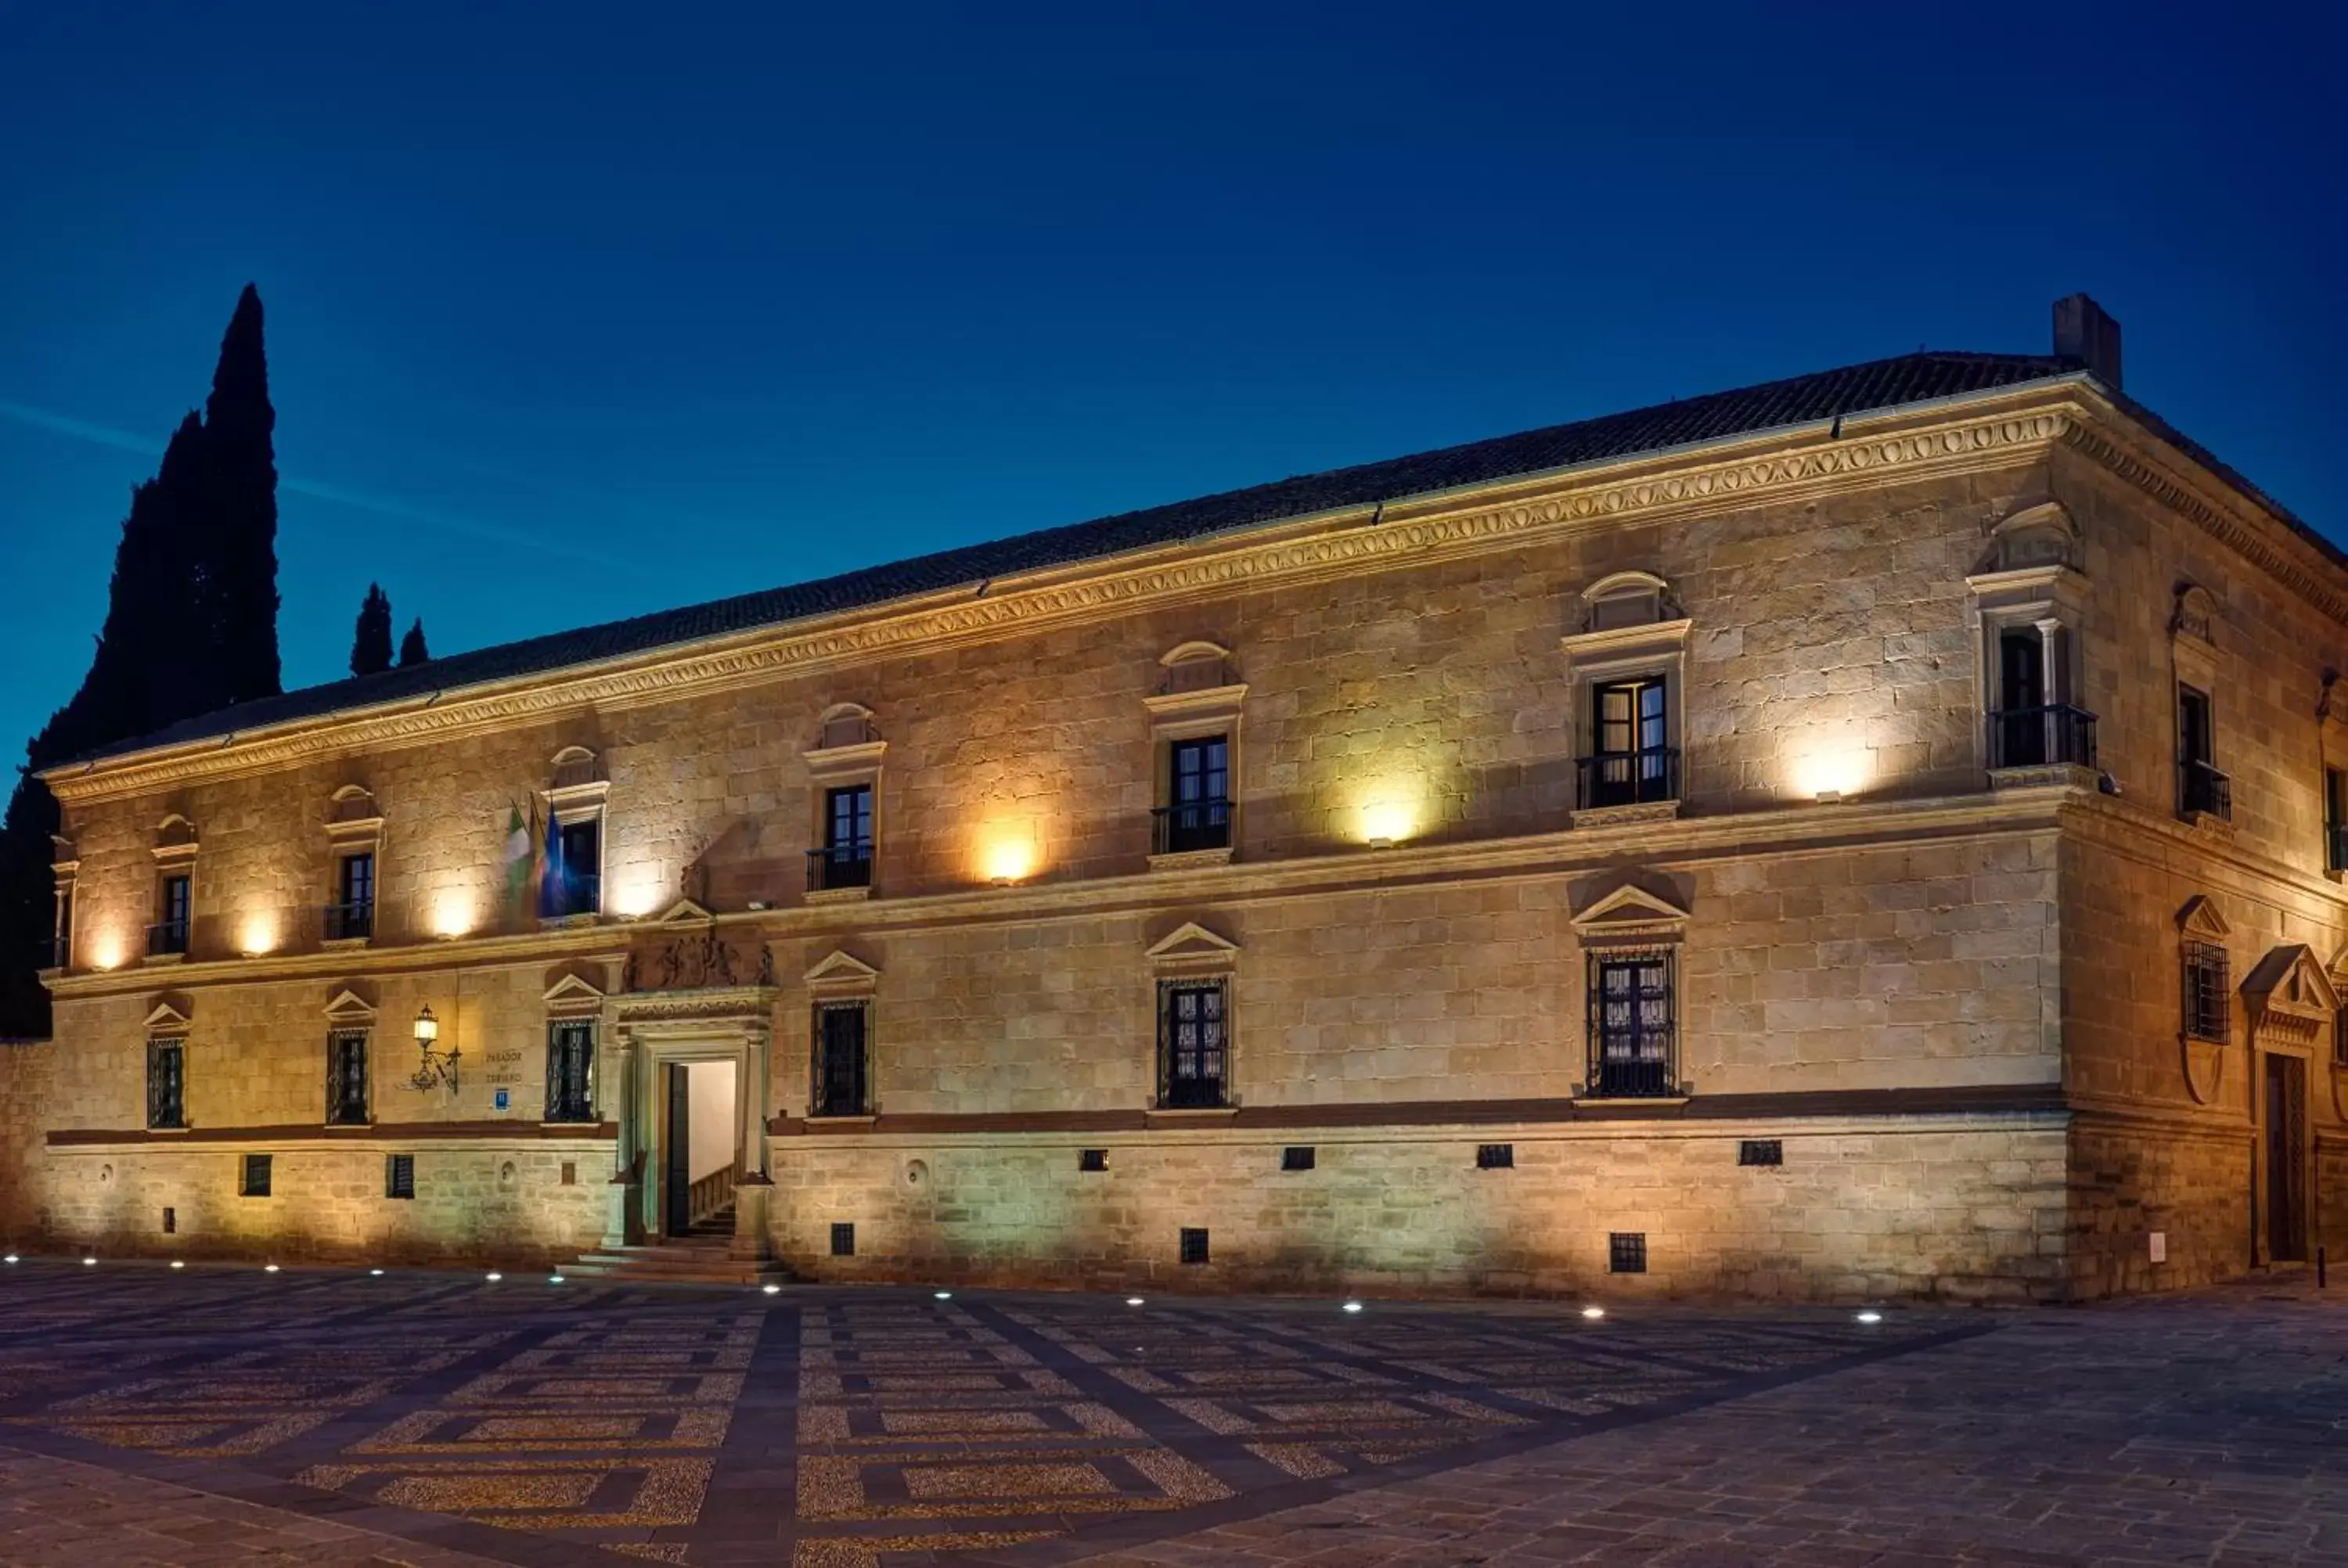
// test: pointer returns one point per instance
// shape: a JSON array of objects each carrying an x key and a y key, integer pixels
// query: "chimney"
[{"x": 2084, "y": 333}]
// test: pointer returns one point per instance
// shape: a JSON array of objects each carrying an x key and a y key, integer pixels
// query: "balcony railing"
[
  {"x": 578, "y": 893},
  {"x": 1192, "y": 824},
  {"x": 846, "y": 865},
  {"x": 350, "y": 922},
  {"x": 1643, "y": 778},
  {"x": 167, "y": 937},
  {"x": 1635, "y": 1078},
  {"x": 2201, "y": 788},
  {"x": 2051, "y": 736}
]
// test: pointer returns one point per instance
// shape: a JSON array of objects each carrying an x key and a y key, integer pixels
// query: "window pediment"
[
  {"x": 165, "y": 1017},
  {"x": 1191, "y": 946},
  {"x": 2201, "y": 918},
  {"x": 840, "y": 973},
  {"x": 1631, "y": 913},
  {"x": 573, "y": 993},
  {"x": 350, "y": 1011}
]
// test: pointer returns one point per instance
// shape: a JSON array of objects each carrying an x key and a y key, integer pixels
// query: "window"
[
  {"x": 1198, "y": 810},
  {"x": 1194, "y": 1244},
  {"x": 1631, "y": 1025},
  {"x": 1296, "y": 1157},
  {"x": 1192, "y": 1048},
  {"x": 841, "y": 1086},
  {"x": 846, "y": 858},
  {"x": 169, "y": 932},
  {"x": 574, "y": 871},
  {"x": 2339, "y": 1038},
  {"x": 252, "y": 1181},
  {"x": 61, "y": 938},
  {"x": 843, "y": 1239},
  {"x": 1495, "y": 1156},
  {"x": 346, "y": 1078},
  {"x": 170, "y": 1221},
  {"x": 571, "y": 1071},
  {"x": 1626, "y": 1252},
  {"x": 1761, "y": 1152},
  {"x": 2200, "y": 787},
  {"x": 1632, "y": 760},
  {"x": 1092, "y": 1158},
  {"x": 400, "y": 1176},
  {"x": 2207, "y": 1016},
  {"x": 167, "y": 1086},
  {"x": 2335, "y": 821},
  {"x": 351, "y": 917}
]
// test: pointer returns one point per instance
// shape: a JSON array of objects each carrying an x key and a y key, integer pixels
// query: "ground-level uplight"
[
  {"x": 90, "y": 1263},
  {"x": 176, "y": 1262},
  {"x": 1592, "y": 1314},
  {"x": 373, "y": 1271},
  {"x": 495, "y": 1276},
  {"x": 554, "y": 1279},
  {"x": 1130, "y": 1301},
  {"x": 268, "y": 1268},
  {"x": 945, "y": 1295},
  {"x": 773, "y": 1289},
  {"x": 1870, "y": 1315},
  {"x": 1353, "y": 1307}
]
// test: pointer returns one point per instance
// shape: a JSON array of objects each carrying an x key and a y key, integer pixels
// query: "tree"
[
  {"x": 371, "y": 646},
  {"x": 191, "y": 627},
  {"x": 411, "y": 646}
]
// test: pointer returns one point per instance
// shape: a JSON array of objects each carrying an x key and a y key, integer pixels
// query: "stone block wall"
[
  {"x": 28, "y": 1090},
  {"x": 2130, "y": 1179}
]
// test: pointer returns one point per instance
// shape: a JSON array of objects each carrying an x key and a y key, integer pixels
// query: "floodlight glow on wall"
[
  {"x": 432, "y": 1066},
  {"x": 1010, "y": 856}
]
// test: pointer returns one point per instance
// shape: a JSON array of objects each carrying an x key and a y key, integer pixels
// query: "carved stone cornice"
[{"x": 1996, "y": 430}]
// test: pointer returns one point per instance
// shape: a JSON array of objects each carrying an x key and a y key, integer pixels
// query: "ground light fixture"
[
  {"x": 1352, "y": 1307},
  {"x": 268, "y": 1268},
  {"x": 176, "y": 1262},
  {"x": 495, "y": 1276},
  {"x": 944, "y": 1294},
  {"x": 554, "y": 1279},
  {"x": 1870, "y": 1315},
  {"x": 10, "y": 1258},
  {"x": 1592, "y": 1314},
  {"x": 773, "y": 1289},
  {"x": 373, "y": 1272},
  {"x": 90, "y": 1263},
  {"x": 1130, "y": 1301}
]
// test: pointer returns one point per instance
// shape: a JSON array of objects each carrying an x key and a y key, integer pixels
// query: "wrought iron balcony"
[
  {"x": 1629, "y": 778},
  {"x": 1192, "y": 824},
  {"x": 843, "y": 865},
  {"x": 2053, "y": 735},
  {"x": 350, "y": 922},
  {"x": 578, "y": 893},
  {"x": 167, "y": 937},
  {"x": 1645, "y": 1078},
  {"x": 2201, "y": 788}
]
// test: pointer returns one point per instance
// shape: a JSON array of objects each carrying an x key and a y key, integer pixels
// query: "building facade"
[{"x": 1875, "y": 835}]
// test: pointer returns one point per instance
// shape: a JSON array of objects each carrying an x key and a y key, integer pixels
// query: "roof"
[{"x": 1883, "y": 383}]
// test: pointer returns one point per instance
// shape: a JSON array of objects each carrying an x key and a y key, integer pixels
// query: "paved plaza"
[{"x": 228, "y": 1416}]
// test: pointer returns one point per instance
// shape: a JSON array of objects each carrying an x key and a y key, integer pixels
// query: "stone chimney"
[{"x": 2083, "y": 331}]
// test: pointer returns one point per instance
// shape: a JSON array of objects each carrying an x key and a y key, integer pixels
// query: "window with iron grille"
[
  {"x": 1630, "y": 759},
  {"x": 1631, "y": 1025},
  {"x": 841, "y": 1086},
  {"x": 176, "y": 909},
  {"x": 843, "y": 1239},
  {"x": 346, "y": 1078},
  {"x": 847, "y": 837},
  {"x": 1198, "y": 810},
  {"x": 166, "y": 1084},
  {"x": 1193, "y": 1046},
  {"x": 2205, "y": 992},
  {"x": 1092, "y": 1158},
  {"x": 1297, "y": 1157},
  {"x": 253, "y": 1180},
  {"x": 1194, "y": 1244},
  {"x": 1761, "y": 1152},
  {"x": 352, "y": 915},
  {"x": 1495, "y": 1156},
  {"x": 1626, "y": 1252},
  {"x": 571, "y": 1070},
  {"x": 400, "y": 1176}
]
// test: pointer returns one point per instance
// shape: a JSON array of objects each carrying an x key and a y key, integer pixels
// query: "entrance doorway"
[
  {"x": 2286, "y": 1141},
  {"x": 699, "y": 1145}
]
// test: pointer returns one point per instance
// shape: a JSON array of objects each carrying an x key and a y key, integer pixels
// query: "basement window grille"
[
  {"x": 1194, "y": 1244},
  {"x": 1495, "y": 1156},
  {"x": 1626, "y": 1252},
  {"x": 400, "y": 1176},
  {"x": 1296, "y": 1157},
  {"x": 254, "y": 1178},
  {"x": 1092, "y": 1158},
  {"x": 1761, "y": 1152},
  {"x": 843, "y": 1239}
]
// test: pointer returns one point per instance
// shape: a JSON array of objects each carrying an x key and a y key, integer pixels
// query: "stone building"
[{"x": 1875, "y": 834}]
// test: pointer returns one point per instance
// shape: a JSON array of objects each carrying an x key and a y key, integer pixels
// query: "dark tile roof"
[{"x": 1800, "y": 400}]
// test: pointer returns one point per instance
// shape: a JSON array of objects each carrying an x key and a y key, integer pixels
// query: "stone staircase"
[{"x": 698, "y": 1257}]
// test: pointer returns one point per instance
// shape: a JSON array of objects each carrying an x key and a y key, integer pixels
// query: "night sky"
[{"x": 580, "y": 312}]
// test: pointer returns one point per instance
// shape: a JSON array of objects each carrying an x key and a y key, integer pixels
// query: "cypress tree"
[
  {"x": 190, "y": 626},
  {"x": 411, "y": 646},
  {"x": 371, "y": 646}
]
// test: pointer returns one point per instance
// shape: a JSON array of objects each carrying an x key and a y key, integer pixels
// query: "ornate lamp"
[{"x": 432, "y": 1066}]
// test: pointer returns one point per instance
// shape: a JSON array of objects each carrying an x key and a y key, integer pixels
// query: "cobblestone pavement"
[{"x": 216, "y": 1416}]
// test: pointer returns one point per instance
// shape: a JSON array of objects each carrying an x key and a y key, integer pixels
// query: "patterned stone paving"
[{"x": 524, "y": 1421}]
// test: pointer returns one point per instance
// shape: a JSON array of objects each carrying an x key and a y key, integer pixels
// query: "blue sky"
[{"x": 580, "y": 312}]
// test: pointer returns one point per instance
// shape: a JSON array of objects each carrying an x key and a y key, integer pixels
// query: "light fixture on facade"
[{"x": 432, "y": 1066}]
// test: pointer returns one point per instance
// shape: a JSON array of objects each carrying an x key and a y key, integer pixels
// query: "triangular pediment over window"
[
  {"x": 1632, "y": 910},
  {"x": 1190, "y": 942},
  {"x": 167, "y": 1017},
  {"x": 2201, "y": 918},
  {"x": 2289, "y": 979},
  {"x": 571, "y": 991},
  {"x": 350, "y": 1008},
  {"x": 838, "y": 968},
  {"x": 685, "y": 912}
]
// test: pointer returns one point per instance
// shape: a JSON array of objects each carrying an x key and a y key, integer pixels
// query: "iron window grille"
[
  {"x": 400, "y": 1176},
  {"x": 1632, "y": 760},
  {"x": 351, "y": 917},
  {"x": 1761, "y": 1152},
  {"x": 841, "y": 1082},
  {"x": 846, "y": 858},
  {"x": 346, "y": 1078},
  {"x": 2208, "y": 1015},
  {"x": 843, "y": 1239},
  {"x": 254, "y": 1179},
  {"x": 170, "y": 934},
  {"x": 571, "y": 1071},
  {"x": 1092, "y": 1158},
  {"x": 1632, "y": 1025},
  {"x": 1626, "y": 1252},
  {"x": 1194, "y": 1244},
  {"x": 1495, "y": 1156},
  {"x": 167, "y": 1083},
  {"x": 2040, "y": 736},
  {"x": 2200, "y": 787},
  {"x": 1193, "y": 1044},
  {"x": 1296, "y": 1157},
  {"x": 1198, "y": 810}
]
